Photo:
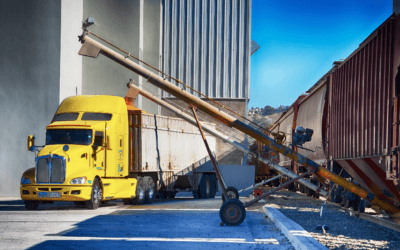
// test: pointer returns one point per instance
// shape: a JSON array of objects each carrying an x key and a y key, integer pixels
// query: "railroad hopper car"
[{"x": 353, "y": 111}]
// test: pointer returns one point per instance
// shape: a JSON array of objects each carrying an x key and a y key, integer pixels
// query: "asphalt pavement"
[{"x": 181, "y": 223}]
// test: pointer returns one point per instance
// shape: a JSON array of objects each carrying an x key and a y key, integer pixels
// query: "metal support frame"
[
  {"x": 259, "y": 184},
  {"x": 212, "y": 159},
  {"x": 276, "y": 189}
]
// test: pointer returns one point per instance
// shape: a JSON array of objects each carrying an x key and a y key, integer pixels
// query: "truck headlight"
[
  {"x": 80, "y": 180},
  {"x": 25, "y": 180}
]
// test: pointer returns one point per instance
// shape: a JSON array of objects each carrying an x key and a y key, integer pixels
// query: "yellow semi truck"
[{"x": 100, "y": 148}]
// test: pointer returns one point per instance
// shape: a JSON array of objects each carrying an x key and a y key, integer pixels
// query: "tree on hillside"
[{"x": 268, "y": 110}]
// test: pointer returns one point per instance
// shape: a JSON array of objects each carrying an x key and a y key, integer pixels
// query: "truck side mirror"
[{"x": 31, "y": 143}]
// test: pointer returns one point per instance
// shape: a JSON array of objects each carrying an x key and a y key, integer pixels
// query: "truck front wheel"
[{"x": 97, "y": 195}]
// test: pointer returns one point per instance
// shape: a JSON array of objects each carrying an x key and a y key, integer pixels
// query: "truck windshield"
[{"x": 69, "y": 136}]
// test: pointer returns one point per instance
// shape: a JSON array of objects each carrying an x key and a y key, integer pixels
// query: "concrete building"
[{"x": 204, "y": 43}]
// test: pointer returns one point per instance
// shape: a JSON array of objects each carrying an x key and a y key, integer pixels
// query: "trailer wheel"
[
  {"x": 96, "y": 196},
  {"x": 213, "y": 182},
  {"x": 149, "y": 188},
  {"x": 232, "y": 212},
  {"x": 196, "y": 194},
  {"x": 31, "y": 205},
  {"x": 140, "y": 192},
  {"x": 232, "y": 193},
  {"x": 205, "y": 187}
]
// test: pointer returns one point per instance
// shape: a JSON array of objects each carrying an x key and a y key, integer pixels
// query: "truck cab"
[{"x": 85, "y": 158}]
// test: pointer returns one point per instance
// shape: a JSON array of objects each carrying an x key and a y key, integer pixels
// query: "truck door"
[{"x": 99, "y": 154}]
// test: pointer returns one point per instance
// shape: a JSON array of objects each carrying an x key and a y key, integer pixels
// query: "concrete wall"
[
  {"x": 151, "y": 43},
  {"x": 70, "y": 61},
  {"x": 29, "y": 82},
  {"x": 120, "y": 23},
  {"x": 226, "y": 154}
]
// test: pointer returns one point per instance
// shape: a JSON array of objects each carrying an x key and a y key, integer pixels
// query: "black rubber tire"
[
  {"x": 196, "y": 194},
  {"x": 31, "y": 205},
  {"x": 232, "y": 212},
  {"x": 149, "y": 187},
  {"x": 140, "y": 192},
  {"x": 232, "y": 193},
  {"x": 205, "y": 187},
  {"x": 96, "y": 196},
  {"x": 214, "y": 183}
]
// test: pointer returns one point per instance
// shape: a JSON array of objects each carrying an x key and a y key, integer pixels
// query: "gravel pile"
[{"x": 345, "y": 231}]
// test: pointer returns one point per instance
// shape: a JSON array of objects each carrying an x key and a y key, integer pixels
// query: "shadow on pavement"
[
  {"x": 19, "y": 205},
  {"x": 12, "y": 205},
  {"x": 127, "y": 229}
]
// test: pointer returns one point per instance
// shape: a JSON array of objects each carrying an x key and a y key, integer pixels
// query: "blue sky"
[{"x": 301, "y": 39}]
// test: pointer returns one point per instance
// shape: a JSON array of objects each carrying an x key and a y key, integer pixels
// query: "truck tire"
[
  {"x": 205, "y": 187},
  {"x": 140, "y": 192},
  {"x": 196, "y": 194},
  {"x": 96, "y": 196},
  {"x": 149, "y": 188},
  {"x": 31, "y": 205},
  {"x": 214, "y": 183}
]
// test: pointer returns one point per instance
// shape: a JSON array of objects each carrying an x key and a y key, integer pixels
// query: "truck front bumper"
[{"x": 66, "y": 193}]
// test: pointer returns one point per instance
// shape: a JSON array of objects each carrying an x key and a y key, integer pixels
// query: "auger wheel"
[
  {"x": 232, "y": 212},
  {"x": 279, "y": 137}
]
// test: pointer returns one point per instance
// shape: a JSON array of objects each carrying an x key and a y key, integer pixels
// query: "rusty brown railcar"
[{"x": 354, "y": 112}]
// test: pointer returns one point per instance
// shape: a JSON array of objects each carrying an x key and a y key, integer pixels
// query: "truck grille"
[{"x": 50, "y": 169}]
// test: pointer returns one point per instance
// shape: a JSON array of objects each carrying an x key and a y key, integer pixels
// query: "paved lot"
[{"x": 181, "y": 223}]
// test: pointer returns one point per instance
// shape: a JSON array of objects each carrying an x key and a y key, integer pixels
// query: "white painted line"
[
  {"x": 170, "y": 209},
  {"x": 156, "y": 239}
]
